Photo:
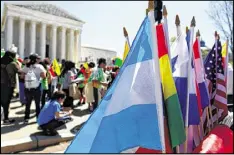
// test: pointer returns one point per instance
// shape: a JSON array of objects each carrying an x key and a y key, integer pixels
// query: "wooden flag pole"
[
  {"x": 193, "y": 24},
  {"x": 164, "y": 13},
  {"x": 156, "y": 63},
  {"x": 177, "y": 23}
]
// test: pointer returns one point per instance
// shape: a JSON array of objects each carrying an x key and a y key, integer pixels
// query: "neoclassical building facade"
[{"x": 41, "y": 28}]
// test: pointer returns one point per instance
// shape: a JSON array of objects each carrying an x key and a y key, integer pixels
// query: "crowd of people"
[{"x": 53, "y": 94}]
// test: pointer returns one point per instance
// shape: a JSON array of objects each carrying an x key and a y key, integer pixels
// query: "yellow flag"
[
  {"x": 126, "y": 50},
  {"x": 56, "y": 67},
  {"x": 86, "y": 66},
  {"x": 224, "y": 50}
]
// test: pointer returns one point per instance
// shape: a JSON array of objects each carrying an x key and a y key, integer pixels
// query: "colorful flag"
[
  {"x": 180, "y": 73},
  {"x": 225, "y": 60},
  {"x": 173, "y": 110},
  {"x": 216, "y": 81},
  {"x": 129, "y": 115},
  {"x": 127, "y": 45},
  {"x": 200, "y": 76},
  {"x": 56, "y": 67},
  {"x": 2, "y": 52}
]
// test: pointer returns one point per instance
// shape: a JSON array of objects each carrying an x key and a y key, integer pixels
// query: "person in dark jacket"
[{"x": 9, "y": 69}]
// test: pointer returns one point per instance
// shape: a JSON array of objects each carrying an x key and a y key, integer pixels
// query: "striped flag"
[
  {"x": 173, "y": 110},
  {"x": 216, "y": 82},
  {"x": 130, "y": 114}
]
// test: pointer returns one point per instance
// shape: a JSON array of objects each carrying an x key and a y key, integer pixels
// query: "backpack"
[{"x": 31, "y": 80}]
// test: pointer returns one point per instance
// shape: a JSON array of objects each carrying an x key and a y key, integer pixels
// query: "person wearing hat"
[
  {"x": 9, "y": 69},
  {"x": 32, "y": 73}
]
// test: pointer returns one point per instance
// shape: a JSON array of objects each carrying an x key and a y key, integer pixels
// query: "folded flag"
[
  {"x": 128, "y": 115},
  {"x": 173, "y": 110}
]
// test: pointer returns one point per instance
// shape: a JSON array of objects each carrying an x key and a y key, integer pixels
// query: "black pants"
[
  {"x": 95, "y": 94},
  {"x": 52, "y": 125},
  {"x": 6, "y": 95},
  {"x": 31, "y": 94},
  {"x": 68, "y": 102},
  {"x": 43, "y": 96}
]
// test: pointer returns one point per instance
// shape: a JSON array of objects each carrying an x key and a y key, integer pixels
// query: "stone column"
[
  {"x": 71, "y": 45},
  {"x": 9, "y": 34},
  {"x": 79, "y": 48},
  {"x": 21, "y": 37},
  {"x": 33, "y": 37},
  {"x": 53, "y": 42},
  {"x": 62, "y": 53},
  {"x": 43, "y": 41}
]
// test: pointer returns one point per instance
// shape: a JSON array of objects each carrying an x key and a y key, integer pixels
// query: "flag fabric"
[
  {"x": 180, "y": 74},
  {"x": 126, "y": 48},
  {"x": 216, "y": 81},
  {"x": 173, "y": 111},
  {"x": 128, "y": 115},
  {"x": 56, "y": 67},
  {"x": 225, "y": 60},
  {"x": 200, "y": 76}
]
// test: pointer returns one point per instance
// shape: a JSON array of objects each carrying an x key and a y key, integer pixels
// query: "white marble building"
[
  {"x": 92, "y": 54},
  {"x": 41, "y": 28}
]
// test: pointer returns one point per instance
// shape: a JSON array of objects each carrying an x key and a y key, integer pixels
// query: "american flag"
[{"x": 216, "y": 82}]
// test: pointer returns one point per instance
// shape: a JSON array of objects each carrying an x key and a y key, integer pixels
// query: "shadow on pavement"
[
  {"x": 23, "y": 111},
  {"x": 16, "y": 125},
  {"x": 80, "y": 113},
  {"x": 77, "y": 128}
]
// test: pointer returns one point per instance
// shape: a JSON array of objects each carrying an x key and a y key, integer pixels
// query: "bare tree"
[{"x": 221, "y": 12}]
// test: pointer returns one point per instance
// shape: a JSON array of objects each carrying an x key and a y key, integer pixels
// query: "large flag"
[
  {"x": 130, "y": 114},
  {"x": 173, "y": 110},
  {"x": 216, "y": 81}
]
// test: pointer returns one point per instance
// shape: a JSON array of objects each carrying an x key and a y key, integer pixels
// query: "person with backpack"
[
  {"x": 9, "y": 69},
  {"x": 32, "y": 73}
]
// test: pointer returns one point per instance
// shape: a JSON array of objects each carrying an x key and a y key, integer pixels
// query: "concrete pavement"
[{"x": 19, "y": 137}]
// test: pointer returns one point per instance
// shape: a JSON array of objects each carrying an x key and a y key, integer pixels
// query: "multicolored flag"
[
  {"x": 131, "y": 113},
  {"x": 216, "y": 82},
  {"x": 56, "y": 67},
  {"x": 225, "y": 59},
  {"x": 127, "y": 44},
  {"x": 173, "y": 110}
]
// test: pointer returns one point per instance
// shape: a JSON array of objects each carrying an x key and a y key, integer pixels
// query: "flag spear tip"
[
  {"x": 164, "y": 11},
  {"x": 125, "y": 32},
  {"x": 216, "y": 33},
  {"x": 187, "y": 29},
  {"x": 193, "y": 22},
  {"x": 150, "y": 5},
  {"x": 177, "y": 20},
  {"x": 198, "y": 33}
]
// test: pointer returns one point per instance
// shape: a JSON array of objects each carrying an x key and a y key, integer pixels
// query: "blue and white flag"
[{"x": 130, "y": 115}]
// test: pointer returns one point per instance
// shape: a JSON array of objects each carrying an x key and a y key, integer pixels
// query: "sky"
[{"x": 104, "y": 20}]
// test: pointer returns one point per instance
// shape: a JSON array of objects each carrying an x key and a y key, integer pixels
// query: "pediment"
[{"x": 49, "y": 9}]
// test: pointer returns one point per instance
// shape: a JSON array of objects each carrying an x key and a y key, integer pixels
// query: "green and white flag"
[{"x": 2, "y": 52}]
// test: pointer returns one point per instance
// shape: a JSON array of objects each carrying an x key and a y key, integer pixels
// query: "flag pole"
[
  {"x": 199, "y": 49},
  {"x": 150, "y": 10},
  {"x": 216, "y": 61},
  {"x": 164, "y": 13},
  {"x": 177, "y": 23},
  {"x": 193, "y": 24}
]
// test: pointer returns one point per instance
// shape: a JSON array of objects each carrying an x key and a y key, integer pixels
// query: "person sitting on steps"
[{"x": 51, "y": 116}]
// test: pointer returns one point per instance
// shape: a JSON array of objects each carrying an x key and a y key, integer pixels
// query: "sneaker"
[
  {"x": 83, "y": 102},
  {"x": 26, "y": 121},
  {"x": 53, "y": 133},
  {"x": 8, "y": 121}
]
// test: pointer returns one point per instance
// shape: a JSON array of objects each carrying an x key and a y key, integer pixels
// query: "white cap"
[{"x": 13, "y": 49}]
